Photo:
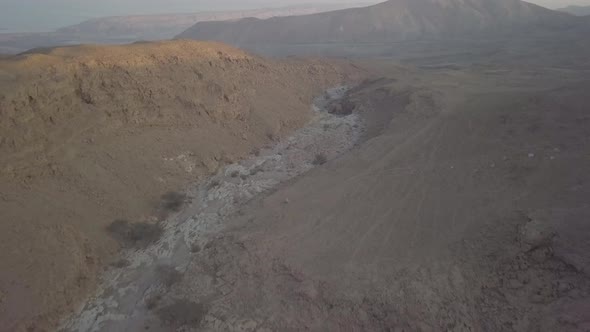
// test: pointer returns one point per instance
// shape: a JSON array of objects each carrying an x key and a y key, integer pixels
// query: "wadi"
[{"x": 406, "y": 166}]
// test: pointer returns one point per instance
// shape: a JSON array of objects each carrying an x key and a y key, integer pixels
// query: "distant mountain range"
[
  {"x": 126, "y": 29},
  {"x": 151, "y": 27},
  {"x": 391, "y": 21},
  {"x": 394, "y": 20},
  {"x": 576, "y": 10}
]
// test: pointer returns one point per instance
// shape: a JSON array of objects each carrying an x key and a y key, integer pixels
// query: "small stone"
[
  {"x": 514, "y": 284},
  {"x": 537, "y": 298},
  {"x": 531, "y": 155},
  {"x": 246, "y": 326},
  {"x": 195, "y": 248},
  {"x": 563, "y": 287},
  {"x": 535, "y": 234},
  {"x": 541, "y": 255},
  {"x": 287, "y": 201}
]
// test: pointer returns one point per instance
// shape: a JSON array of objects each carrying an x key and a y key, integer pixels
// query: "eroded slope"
[
  {"x": 93, "y": 134},
  {"x": 465, "y": 210}
]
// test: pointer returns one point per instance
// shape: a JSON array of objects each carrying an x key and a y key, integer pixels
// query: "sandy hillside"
[
  {"x": 93, "y": 134},
  {"x": 465, "y": 209}
]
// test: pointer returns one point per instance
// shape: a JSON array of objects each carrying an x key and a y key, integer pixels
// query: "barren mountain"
[
  {"x": 187, "y": 186},
  {"x": 94, "y": 134},
  {"x": 127, "y": 29},
  {"x": 150, "y": 27},
  {"x": 576, "y": 10},
  {"x": 394, "y": 20}
]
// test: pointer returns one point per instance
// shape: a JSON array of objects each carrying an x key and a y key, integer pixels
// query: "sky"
[{"x": 48, "y": 15}]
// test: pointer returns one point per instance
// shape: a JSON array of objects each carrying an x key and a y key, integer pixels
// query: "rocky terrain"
[
  {"x": 462, "y": 207},
  {"x": 325, "y": 137},
  {"x": 436, "y": 181},
  {"x": 90, "y": 135}
]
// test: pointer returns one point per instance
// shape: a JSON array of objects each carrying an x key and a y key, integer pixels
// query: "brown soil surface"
[
  {"x": 465, "y": 209},
  {"x": 94, "y": 134},
  {"x": 463, "y": 206},
  {"x": 151, "y": 271}
]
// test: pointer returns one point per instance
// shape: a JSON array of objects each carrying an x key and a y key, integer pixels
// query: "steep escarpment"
[{"x": 93, "y": 134}]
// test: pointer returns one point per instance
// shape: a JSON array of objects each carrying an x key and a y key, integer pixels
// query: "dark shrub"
[{"x": 138, "y": 235}]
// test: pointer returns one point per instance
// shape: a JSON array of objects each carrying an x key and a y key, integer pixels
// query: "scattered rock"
[
  {"x": 152, "y": 302},
  {"x": 343, "y": 107},
  {"x": 514, "y": 284},
  {"x": 541, "y": 254},
  {"x": 535, "y": 234},
  {"x": 246, "y": 325},
  {"x": 195, "y": 248},
  {"x": 168, "y": 275}
]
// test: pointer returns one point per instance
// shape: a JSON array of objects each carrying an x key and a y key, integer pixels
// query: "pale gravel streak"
[{"x": 119, "y": 305}]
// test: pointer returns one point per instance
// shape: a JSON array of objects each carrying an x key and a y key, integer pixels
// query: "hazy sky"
[{"x": 47, "y": 15}]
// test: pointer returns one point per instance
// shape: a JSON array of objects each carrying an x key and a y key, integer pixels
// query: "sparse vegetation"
[
  {"x": 152, "y": 302},
  {"x": 121, "y": 263},
  {"x": 183, "y": 313},
  {"x": 168, "y": 275},
  {"x": 195, "y": 248},
  {"x": 213, "y": 184},
  {"x": 343, "y": 107},
  {"x": 256, "y": 170},
  {"x": 173, "y": 201},
  {"x": 138, "y": 235},
  {"x": 320, "y": 159}
]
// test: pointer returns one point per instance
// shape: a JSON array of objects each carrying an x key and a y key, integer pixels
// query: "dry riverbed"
[{"x": 133, "y": 288}]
